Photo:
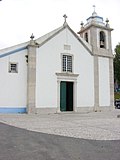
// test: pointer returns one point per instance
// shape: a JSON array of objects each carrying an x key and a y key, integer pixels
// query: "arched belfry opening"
[
  {"x": 102, "y": 39},
  {"x": 86, "y": 37}
]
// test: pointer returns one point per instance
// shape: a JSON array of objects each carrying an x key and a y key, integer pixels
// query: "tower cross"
[
  {"x": 65, "y": 17},
  {"x": 94, "y": 7}
]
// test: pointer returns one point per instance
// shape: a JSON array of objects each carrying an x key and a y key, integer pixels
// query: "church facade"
[{"x": 60, "y": 72}]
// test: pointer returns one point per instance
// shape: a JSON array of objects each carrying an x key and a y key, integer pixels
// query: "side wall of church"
[{"x": 13, "y": 86}]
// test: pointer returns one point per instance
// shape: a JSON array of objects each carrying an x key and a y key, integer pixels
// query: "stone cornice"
[
  {"x": 66, "y": 74},
  {"x": 102, "y": 53},
  {"x": 94, "y": 25}
]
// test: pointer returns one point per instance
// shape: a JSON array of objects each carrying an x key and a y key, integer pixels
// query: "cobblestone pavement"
[{"x": 93, "y": 125}]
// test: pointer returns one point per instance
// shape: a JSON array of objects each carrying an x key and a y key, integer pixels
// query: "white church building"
[{"x": 61, "y": 71}]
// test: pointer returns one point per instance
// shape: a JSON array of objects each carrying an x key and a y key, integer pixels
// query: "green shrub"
[{"x": 117, "y": 95}]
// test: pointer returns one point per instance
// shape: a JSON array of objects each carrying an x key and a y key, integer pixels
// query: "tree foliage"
[{"x": 117, "y": 64}]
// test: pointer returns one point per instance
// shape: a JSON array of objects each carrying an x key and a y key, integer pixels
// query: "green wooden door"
[
  {"x": 63, "y": 96},
  {"x": 66, "y": 96},
  {"x": 69, "y": 96}
]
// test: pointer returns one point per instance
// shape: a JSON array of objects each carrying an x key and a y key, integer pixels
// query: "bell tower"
[{"x": 97, "y": 34}]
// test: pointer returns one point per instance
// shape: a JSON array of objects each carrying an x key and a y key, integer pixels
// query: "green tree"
[{"x": 117, "y": 64}]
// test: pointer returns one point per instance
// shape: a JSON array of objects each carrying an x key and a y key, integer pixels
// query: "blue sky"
[{"x": 20, "y": 18}]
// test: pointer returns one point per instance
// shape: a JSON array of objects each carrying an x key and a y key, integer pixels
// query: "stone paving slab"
[{"x": 93, "y": 125}]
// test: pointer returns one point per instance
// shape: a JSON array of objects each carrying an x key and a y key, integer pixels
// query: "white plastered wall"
[
  {"x": 13, "y": 86},
  {"x": 104, "y": 82}
]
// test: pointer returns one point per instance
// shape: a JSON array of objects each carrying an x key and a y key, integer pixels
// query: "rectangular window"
[
  {"x": 13, "y": 67},
  {"x": 67, "y": 63}
]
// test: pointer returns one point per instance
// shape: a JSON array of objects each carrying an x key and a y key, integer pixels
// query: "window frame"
[
  {"x": 67, "y": 69},
  {"x": 11, "y": 70}
]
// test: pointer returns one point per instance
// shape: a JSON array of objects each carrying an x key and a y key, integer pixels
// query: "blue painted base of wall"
[{"x": 12, "y": 110}]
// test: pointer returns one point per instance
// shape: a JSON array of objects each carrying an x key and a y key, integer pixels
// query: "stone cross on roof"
[{"x": 65, "y": 17}]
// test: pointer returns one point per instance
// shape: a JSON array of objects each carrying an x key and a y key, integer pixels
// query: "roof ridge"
[
  {"x": 11, "y": 48},
  {"x": 48, "y": 35}
]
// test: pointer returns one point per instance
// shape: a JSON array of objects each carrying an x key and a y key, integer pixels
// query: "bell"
[{"x": 101, "y": 44}]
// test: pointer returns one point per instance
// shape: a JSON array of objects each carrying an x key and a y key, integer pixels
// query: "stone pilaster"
[
  {"x": 31, "y": 78},
  {"x": 96, "y": 84},
  {"x": 111, "y": 73},
  {"x": 75, "y": 96}
]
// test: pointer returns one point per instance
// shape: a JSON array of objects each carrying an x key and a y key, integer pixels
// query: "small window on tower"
[
  {"x": 86, "y": 37},
  {"x": 13, "y": 67},
  {"x": 102, "y": 39}
]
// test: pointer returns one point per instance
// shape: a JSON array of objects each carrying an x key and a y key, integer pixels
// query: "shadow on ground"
[{"x": 21, "y": 144}]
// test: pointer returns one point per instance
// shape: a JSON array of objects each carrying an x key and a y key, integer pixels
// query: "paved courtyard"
[{"x": 93, "y": 125}]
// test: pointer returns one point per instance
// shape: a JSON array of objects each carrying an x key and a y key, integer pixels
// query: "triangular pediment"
[{"x": 42, "y": 40}]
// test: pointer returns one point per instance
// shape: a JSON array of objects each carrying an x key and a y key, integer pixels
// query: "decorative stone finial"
[
  {"x": 107, "y": 22},
  {"x": 82, "y": 24},
  {"x": 32, "y": 37}
]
